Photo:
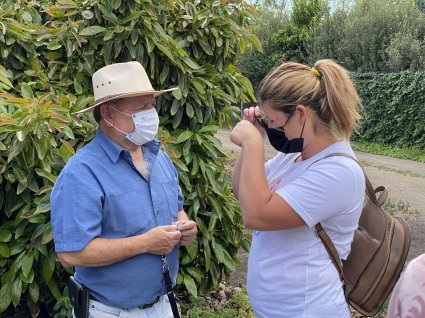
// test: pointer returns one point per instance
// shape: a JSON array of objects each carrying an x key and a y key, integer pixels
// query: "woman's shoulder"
[{"x": 339, "y": 154}]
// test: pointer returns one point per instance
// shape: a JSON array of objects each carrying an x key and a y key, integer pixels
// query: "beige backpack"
[{"x": 378, "y": 253}]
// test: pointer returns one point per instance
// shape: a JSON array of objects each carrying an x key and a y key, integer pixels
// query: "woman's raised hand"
[{"x": 248, "y": 128}]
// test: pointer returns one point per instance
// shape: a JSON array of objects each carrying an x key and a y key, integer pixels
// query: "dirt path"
[{"x": 404, "y": 179}]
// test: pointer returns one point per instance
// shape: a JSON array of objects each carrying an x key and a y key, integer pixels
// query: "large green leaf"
[
  {"x": 4, "y": 250},
  {"x": 34, "y": 291},
  {"x": 184, "y": 136},
  {"x": 92, "y": 30},
  {"x": 27, "y": 262},
  {"x": 5, "y": 236},
  {"x": 16, "y": 291},
  {"x": 190, "y": 285},
  {"x": 46, "y": 270},
  {"x": 5, "y": 297}
]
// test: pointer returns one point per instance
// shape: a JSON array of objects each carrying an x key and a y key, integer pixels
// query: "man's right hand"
[{"x": 162, "y": 239}]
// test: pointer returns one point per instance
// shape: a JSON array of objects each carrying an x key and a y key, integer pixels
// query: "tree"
[
  {"x": 323, "y": 40},
  {"x": 282, "y": 35},
  {"x": 49, "y": 52},
  {"x": 256, "y": 63},
  {"x": 307, "y": 12},
  {"x": 361, "y": 37},
  {"x": 405, "y": 52}
]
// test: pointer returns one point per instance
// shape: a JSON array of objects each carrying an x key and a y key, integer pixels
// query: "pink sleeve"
[{"x": 408, "y": 297}]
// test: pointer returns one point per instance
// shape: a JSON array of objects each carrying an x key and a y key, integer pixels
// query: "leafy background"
[
  {"x": 381, "y": 42},
  {"x": 49, "y": 50},
  {"x": 394, "y": 108}
]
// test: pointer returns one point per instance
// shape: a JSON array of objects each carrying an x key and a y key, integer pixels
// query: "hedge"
[{"x": 394, "y": 108}]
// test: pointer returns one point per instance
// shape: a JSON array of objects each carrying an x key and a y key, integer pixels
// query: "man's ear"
[{"x": 105, "y": 111}]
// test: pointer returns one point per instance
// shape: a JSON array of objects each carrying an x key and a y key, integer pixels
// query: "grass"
[
  {"x": 237, "y": 306},
  {"x": 410, "y": 153},
  {"x": 399, "y": 208}
]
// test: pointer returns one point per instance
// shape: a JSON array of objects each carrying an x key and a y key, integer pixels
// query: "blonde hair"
[{"x": 326, "y": 89}]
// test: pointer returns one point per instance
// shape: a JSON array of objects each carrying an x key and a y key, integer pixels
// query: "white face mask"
[{"x": 146, "y": 125}]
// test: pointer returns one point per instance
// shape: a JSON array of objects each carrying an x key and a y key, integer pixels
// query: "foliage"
[
  {"x": 405, "y": 52},
  {"x": 307, "y": 12},
  {"x": 290, "y": 41},
  {"x": 291, "y": 38},
  {"x": 237, "y": 306},
  {"x": 282, "y": 35},
  {"x": 394, "y": 111},
  {"x": 324, "y": 40},
  {"x": 256, "y": 63},
  {"x": 410, "y": 153},
  {"x": 49, "y": 52},
  {"x": 363, "y": 38}
]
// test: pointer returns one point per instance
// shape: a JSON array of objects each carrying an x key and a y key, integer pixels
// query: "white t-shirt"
[{"x": 290, "y": 273}]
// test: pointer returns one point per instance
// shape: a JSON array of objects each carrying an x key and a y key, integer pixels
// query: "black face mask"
[{"x": 278, "y": 139}]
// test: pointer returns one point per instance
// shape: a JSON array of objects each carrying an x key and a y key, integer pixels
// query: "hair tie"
[{"x": 316, "y": 72}]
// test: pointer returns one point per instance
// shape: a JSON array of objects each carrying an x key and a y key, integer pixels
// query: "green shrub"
[
  {"x": 394, "y": 109},
  {"x": 49, "y": 52},
  {"x": 237, "y": 306}
]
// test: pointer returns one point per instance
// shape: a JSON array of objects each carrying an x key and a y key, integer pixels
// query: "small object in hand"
[{"x": 179, "y": 225}]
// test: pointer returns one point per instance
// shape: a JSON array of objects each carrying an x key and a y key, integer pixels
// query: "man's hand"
[
  {"x": 188, "y": 230},
  {"x": 162, "y": 239}
]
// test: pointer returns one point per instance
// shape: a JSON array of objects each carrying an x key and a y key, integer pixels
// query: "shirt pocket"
[
  {"x": 127, "y": 214},
  {"x": 170, "y": 188}
]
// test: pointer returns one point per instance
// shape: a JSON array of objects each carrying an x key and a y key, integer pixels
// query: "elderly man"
[{"x": 117, "y": 208}]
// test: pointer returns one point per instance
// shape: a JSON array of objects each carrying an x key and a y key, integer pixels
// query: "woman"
[{"x": 307, "y": 113}]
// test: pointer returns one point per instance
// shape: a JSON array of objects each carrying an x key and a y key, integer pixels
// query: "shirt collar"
[{"x": 113, "y": 150}]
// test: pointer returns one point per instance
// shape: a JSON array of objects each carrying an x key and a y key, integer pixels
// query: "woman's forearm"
[
  {"x": 254, "y": 192},
  {"x": 236, "y": 173}
]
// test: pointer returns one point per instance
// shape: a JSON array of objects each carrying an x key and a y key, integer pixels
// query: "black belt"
[{"x": 145, "y": 306}]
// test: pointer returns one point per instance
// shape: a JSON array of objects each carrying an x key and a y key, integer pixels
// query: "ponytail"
[{"x": 340, "y": 102}]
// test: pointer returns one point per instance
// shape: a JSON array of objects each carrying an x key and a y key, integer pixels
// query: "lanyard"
[{"x": 169, "y": 285}]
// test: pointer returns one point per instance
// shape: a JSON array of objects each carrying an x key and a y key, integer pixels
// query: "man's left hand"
[{"x": 188, "y": 230}]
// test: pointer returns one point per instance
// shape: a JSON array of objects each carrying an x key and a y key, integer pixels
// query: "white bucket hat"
[{"x": 121, "y": 80}]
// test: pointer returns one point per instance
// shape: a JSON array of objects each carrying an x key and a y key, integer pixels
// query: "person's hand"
[
  {"x": 245, "y": 132},
  {"x": 250, "y": 114},
  {"x": 189, "y": 230},
  {"x": 162, "y": 239}
]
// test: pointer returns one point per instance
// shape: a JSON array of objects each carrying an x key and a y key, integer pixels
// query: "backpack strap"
[
  {"x": 330, "y": 247},
  {"x": 369, "y": 188},
  {"x": 321, "y": 233}
]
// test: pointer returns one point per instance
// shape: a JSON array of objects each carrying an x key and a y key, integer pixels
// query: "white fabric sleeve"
[
  {"x": 270, "y": 164},
  {"x": 325, "y": 189}
]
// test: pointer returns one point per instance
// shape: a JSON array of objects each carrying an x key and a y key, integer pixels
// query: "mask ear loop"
[
  {"x": 290, "y": 116},
  {"x": 303, "y": 128},
  {"x": 115, "y": 127},
  {"x": 121, "y": 112}
]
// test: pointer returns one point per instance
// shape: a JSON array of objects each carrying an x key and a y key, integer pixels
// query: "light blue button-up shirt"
[{"x": 99, "y": 193}]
